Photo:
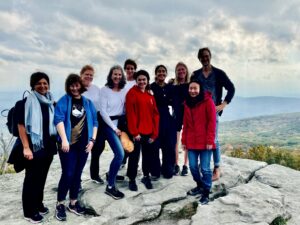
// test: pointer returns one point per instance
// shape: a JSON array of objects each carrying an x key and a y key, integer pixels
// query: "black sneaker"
[
  {"x": 97, "y": 180},
  {"x": 37, "y": 218},
  {"x": 76, "y": 209},
  {"x": 184, "y": 170},
  {"x": 204, "y": 200},
  {"x": 147, "y": 182},
  {"x": 114, "y": 192},
  {"x": 176, "y": 170},
  {"x": 154, "y": 178},
  {"x": 118, "y": 177},
  {"x": 43, "y": 210},
  {"x": 60, "y": 212},
  {"x": 195, "y": 191},
  {"x": 132, "y": 185}
]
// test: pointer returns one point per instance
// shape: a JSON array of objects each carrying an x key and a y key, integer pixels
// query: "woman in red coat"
[
  {"x": 198, "y": 137},
  {"x": 143, "y": 121}
]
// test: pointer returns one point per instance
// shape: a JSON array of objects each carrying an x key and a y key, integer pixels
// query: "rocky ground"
[{"x": 249, "y": 192}]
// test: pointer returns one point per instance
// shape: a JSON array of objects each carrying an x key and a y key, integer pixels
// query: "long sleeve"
[
  {"x": 184, "y": 129},
  {"x": 155, "y": 120},
  {"x": 104, "y": 98},
  {"x": 228, "y": 85},
  {"x": 131, "y": 114},
  {"x": 211, "y": 121}
]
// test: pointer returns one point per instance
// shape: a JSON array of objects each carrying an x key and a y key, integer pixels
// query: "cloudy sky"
[{"x": 257, "y": 43}]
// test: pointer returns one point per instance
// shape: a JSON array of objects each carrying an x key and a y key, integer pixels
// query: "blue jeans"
[
  {"x": 205, "y": 157},
  {"x": 72, "y": 164},
  {"x": 117, "y": 148},
  {"x": 217, "y": 152}
]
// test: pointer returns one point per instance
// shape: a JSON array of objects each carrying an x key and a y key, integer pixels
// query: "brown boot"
[{"x": 216, "y": 174}]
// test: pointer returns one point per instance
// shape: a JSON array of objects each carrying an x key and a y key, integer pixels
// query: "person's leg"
[
  {"x": 81, "y": 156},
  {"x": 205, "y": 158},
  {"x": 156, "y": 165},
  {"x": 176, "y": 166},
  {"x": 194, "y": 165},
  {"x": 95, "y": 155},
  {"x": 147, "y": 159},
  {"x": 68, "y": 163},
  {"x": 133, "y": 160},
  {"x": 29, "y": 202},
  {"x": 217, "y": 154},
  {"x": 44, "y": 168},
  {"x": 118, "y": 151}
]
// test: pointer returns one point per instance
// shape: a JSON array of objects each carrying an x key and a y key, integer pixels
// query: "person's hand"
[
  {"x": 89, "y": 147},
  {"x": 137, "y": 138},
  {"x": 65, "y": 146},
  {"x": 118, "y": 132},
  {"x": 28, "y": 153},
  {"x": 150, "y": 140},
  {"x": 220, "y": 107},
  {"x": 209, "y": 147}
]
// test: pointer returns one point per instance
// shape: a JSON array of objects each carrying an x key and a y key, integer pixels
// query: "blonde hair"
[{"x": 187, "y": 78}]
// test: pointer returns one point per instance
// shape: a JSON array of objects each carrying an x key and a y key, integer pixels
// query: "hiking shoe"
[
  {"x": 76, "y": 209},
  {"x": 147, "y": 182},
  {"x": 60, "y": 212},
  {"x": 97, "y": 180},
  {"x": 216, "y": 174},
  {"x": 118, "y": 177},
  {"x": 43, "y": 210},
  {"x": 176, "y": 170},
  {"x": 204, "y": 200},
  {"x": 154, "y": 178},
  {"x": 184, "y": 170},
  {"x": 37, "y": 218},
  {"x": 114, "y": 192},
  {"x": 132, "y": 185},
  {"x": 195, "y": 191}
]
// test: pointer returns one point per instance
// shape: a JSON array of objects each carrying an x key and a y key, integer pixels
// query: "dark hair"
[
  {"x": 158, "y": 66},
  {"x": 130, "y": 62},
  {"x": 192, "y": 101},
  {"x": 144, "y": 73},
  {"x": 36, "y": 77},
  {"x": 85, "y": 68},
  {"x": 72, "y": 79},
  {"x": 109, "y": 81},
  {"x": 201, "y": 50}
]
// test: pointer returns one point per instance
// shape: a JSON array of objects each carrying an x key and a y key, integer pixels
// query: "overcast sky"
[{"x": 257, "y": 43}]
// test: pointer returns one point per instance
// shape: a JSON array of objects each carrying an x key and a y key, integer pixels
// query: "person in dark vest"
[{"x": 214, "y": 80}]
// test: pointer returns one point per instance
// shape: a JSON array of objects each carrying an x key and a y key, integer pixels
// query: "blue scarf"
[{"x": 34, "y": 118}]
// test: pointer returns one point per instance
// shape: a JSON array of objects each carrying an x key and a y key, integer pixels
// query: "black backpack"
[{"x": 12, "y": 124}]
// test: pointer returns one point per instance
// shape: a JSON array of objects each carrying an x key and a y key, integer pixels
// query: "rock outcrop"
[{"x": 249, "y": 192}]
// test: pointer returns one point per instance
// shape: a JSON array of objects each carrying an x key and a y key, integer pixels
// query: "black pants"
[
  {"x": 148, "y": 155},
  {"x": 97, "y": 151},
  {"x": 166, "y": 141},
  {"x": 36, "y": 171}
]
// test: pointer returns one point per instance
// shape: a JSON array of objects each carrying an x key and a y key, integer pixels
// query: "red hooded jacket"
[
  {"x": 199, "y": 124},
  {"x": 141, "y": 112}
]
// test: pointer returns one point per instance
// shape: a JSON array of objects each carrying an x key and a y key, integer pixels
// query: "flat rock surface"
[{"x": 249, "y": 192}]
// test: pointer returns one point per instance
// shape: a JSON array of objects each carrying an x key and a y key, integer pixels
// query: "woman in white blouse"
[{"x": 112, "y": 100}]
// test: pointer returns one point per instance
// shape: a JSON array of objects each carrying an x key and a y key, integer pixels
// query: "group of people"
[{"x": 153, "y": 115}]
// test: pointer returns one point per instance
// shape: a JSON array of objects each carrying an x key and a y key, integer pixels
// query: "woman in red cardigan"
[
  {"x": 198, "y": 137},
  {"x": 143, "y": 121}
]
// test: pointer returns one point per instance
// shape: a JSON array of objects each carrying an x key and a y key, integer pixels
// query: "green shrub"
[{"x": 270, "y": 156}]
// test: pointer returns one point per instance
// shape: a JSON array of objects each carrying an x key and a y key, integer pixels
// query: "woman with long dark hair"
[{"x": 198, "y": 137}]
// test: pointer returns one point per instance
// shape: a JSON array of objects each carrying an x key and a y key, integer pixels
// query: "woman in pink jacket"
[{"x": 198, "y": 137}]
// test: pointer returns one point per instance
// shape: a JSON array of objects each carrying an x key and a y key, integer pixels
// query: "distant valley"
[
  {"x": 241, "y": 108},
  {"x": 280, "y": 131}
]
